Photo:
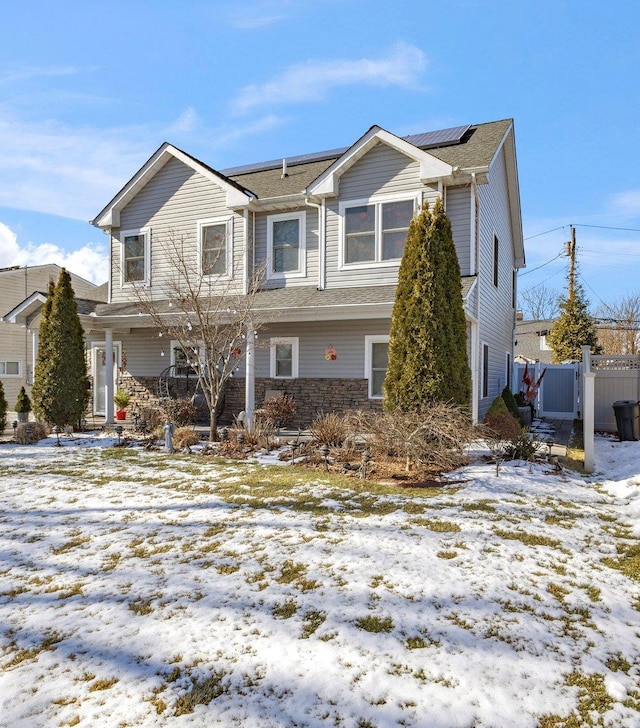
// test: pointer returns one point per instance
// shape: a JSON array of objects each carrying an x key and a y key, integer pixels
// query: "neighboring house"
[
  {"x": 531, "y": 340},
  {"x": 26, "y": 288},
  {"x": 329, "y": 229}
]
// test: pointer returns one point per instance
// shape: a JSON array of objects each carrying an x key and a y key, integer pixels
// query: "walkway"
[{"x": 556, "y": 431}]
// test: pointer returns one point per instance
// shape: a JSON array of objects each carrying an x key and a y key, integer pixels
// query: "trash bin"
[{"x": 627, "y": 419}]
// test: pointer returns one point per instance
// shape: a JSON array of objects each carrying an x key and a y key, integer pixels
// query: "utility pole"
[{"x": 570, "y": 250}]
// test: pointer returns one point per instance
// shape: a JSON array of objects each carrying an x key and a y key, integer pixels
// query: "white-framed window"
[
  {"x": 284, "y": 351},
  {"x": 215, "y": 246},
  {"x": 376, "y": 361},
  {"x": 184, "y": 363},
  {"x": 134, "y": 256},
  {"x": 286, "y": 245},
  {"x": 508, "y": 370},
  {"x": 374, "y": 231},
  {"x": 485, "y": 370},
  {"x": 10, "y": 368},
  {"x": 496, "y": 260},
  {"x": 544, "y": 344}
]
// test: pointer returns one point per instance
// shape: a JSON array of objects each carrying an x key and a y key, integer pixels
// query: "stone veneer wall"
[{"x": 312, "y": 396}]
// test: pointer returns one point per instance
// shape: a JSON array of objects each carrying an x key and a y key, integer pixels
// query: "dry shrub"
[
  {"x": 278, "y": 411},
  {"x": 38, "y": 431},
  {"x": 185, "y": 437},
  {"x": 436, "y": 436},
  {"x": 180, "y": 412},
  {"x": 330, "y": 429},
  {"x": 502, "y": 426}
]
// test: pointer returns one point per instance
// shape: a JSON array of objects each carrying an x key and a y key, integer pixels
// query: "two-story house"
[
  {"x": 23, "y": 290},
  {"x": 328, "y": 230}
]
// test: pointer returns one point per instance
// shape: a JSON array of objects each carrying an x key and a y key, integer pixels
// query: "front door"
[{"x": 99, "y": 372}]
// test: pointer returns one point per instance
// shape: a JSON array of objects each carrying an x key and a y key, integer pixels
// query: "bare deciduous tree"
[
  {"x": 618, "y": 326},
  {"x": 204, "y": 307},
  {"x": 539, "y": 302}
]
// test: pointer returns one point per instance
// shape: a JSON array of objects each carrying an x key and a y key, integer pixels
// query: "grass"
[
  {"x": 628, "y": 561},
  {"x": 530, "y": 539},
  {"x": 375, "y": 624}
]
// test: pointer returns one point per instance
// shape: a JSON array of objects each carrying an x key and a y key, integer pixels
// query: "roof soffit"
[
  {"x": 110, "y": 215},
  {"x": 431, "y": 168}
]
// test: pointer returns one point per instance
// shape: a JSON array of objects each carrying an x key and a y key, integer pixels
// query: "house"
[
  {"x": 23, "y": 290},
  {"x": 327, "y": 230},
  {"x": 531, "y": 340}
]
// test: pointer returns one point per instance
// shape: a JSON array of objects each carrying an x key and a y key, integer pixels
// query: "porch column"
[
  {"x": 109, "y": 393},
  {"x": 250, "y": 378}
]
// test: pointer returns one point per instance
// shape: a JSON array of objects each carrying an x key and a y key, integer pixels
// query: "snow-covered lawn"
[{"x": 139, "y": 589}]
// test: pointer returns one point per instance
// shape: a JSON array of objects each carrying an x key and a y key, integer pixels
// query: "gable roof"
[{"x": 109, "y": 216}]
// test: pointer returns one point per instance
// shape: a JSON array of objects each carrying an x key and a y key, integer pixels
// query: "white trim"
[
  {"x": 508, "y": 369},
  {"x": 11, "y": 361},
  {"x": 146, "y": 232},
  {"x": 484, "y": 371},
  {"x": 227, "y": 221},
  {"x": 369, "y": 340},
  {"x": 301, "y": 270},
  {"x": 295, "y": 355},
  {"x": 378, "y": 201}
]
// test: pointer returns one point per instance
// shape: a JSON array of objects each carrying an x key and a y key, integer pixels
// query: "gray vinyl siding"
[
  {"x": 458, "y": 208},
  {"x": 311, "y": 240},
  {"x": 171, "y": 204},
  {"x": 496, "y": 313},
  {"x": 348, "y": 338},
  {"x": 382, "y": 171}
]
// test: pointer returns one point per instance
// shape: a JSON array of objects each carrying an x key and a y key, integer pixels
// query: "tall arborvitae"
[
  {"x": 428, "y": 339},
  {"x": 40, "y": 389},
  {"x": 574, "y": 328},
  {"x": 61, "y": 383},
  {"x": 3, "y": 410}
]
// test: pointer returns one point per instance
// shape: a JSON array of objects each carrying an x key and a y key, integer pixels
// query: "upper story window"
[
  {"x": 286, "y": 249},
  {"x": 10, "y": 368},
  {"x": 135, "y": 255},
  {"x": 375, "y": 231},
  {"x": 215, "y": 239}
]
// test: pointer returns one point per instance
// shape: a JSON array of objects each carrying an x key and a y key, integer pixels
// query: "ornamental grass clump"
[{"x": 330, "y": 429}]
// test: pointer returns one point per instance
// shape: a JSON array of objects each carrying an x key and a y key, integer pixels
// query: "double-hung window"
[
  {"x": 284, "y": 357},
  {"x": 376, "y": 361},
  {"x": 216, "y": 246},
  {"x": 184, "y": 362},
  {"x": 135, "y": 253},
  {"x": 10, "y": 368},
  {"x": 375, "y": 231},
  {"x": 286, "y": 249}
]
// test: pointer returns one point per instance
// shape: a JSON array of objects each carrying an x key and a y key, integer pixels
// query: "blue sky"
[{"x": 88, "y": 91}]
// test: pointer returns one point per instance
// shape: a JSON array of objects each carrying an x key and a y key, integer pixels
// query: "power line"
[
  {"x": 541, "y": 266},
  {"x": 606, "y": 227},
  {"x": 537, "y": 235}
]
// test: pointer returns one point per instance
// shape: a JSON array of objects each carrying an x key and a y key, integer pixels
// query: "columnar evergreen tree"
[
  {"x": 574, "y": 328},
  {"x": 60, "y": 390},
  {"x": 3, "y": 409},
  {"x": 428, "y": 339}
]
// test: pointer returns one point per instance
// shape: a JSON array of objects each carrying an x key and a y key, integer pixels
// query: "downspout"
[
  {"x": 245, "y": 254},
  {"x": 322, "y": 243}
]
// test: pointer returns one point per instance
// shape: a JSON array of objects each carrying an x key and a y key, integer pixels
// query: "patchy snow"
[{"x": 133, "y": 582}]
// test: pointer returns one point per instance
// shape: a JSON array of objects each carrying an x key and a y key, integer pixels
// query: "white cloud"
[
  {"x": 89, "y": 261},
  {"x": 260, "y": 14},
  {"x": 312, "y": 80},
  {"x": 626, "y": 203}
]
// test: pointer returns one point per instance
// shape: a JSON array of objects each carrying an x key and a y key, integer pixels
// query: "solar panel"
[{"x": 427, "y": 140}]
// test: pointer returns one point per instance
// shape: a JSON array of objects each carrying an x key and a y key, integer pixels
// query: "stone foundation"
[{"x": 312, "y": 396}]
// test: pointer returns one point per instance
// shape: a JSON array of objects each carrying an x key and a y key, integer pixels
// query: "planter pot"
[
  {"x": 525, "y": 413},
  {"x": 121, "y": 415},
  {"x": 22, "y": 416}
]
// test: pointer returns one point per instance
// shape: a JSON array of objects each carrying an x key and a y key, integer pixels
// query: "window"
[
  {"x": 376, "y": 360},
  {"x": 216, "y": 246},
  {"x": 10, "y": 368},
  {"x": 284, "y": 358},
  {"x": 485, "y": 370},
  {"x": 544, "y": 344},
  {"x": 495, "y": 261},
  {"x": 135, "y": 255},
  {"x": 286, "y": 253},
  {"x": 514, "y": 288},
  {"x": 180, "y": 360},
  {"x": 375, "y": 231},
  {"x": 508, "y": 367}
]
